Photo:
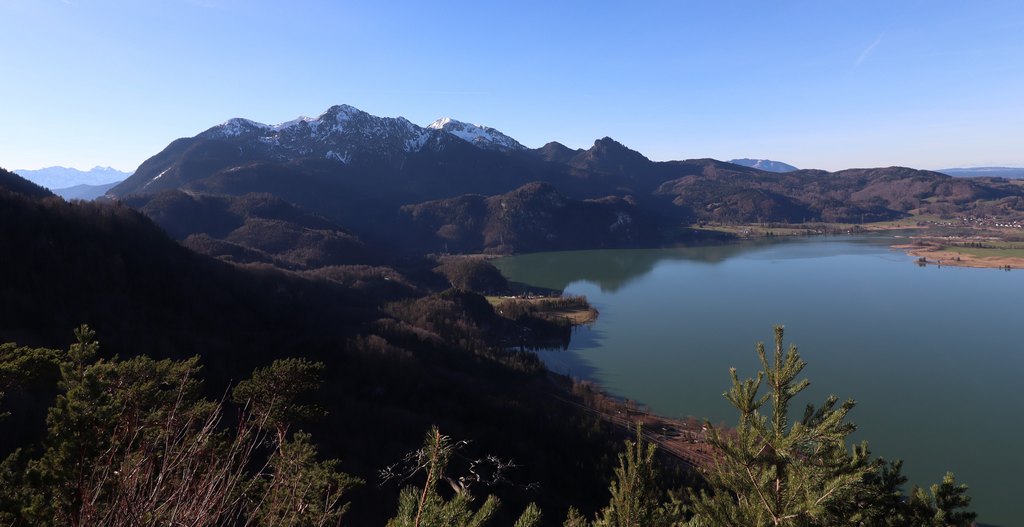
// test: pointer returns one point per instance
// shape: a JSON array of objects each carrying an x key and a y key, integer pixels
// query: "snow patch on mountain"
[
  {"x": 158, "y": 176},
  {"x": 308, "y": 121},
  {"x": 415, "y": 143},
  {"x": 764, "y": 164},
  {"x": 344, "y": 132},
  {"x": 238, "y": 126},
  {"x": 341, "y": 158},
  {"x": 480, "y": 136}
]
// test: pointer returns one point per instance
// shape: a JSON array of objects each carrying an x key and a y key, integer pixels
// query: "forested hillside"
[{"x": 400, "y": 353}]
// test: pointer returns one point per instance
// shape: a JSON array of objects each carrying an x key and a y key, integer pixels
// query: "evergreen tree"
[
  {"x": 531, "y": 517},
  {"x": 278, "y": 394},
  {"x": 950, "y": 498},
  {"x": 945, "y": 507},
  {"x": 296, "y": 489},
  {"x": 133, "y": 442},
  {"x": 574, "y": 518},
  {"x": 425, "y": 507},
  {"x": 771, "y": 473},
  {"x": 22, "y": 365},
  {"x": 636, "y": 500},
  {"x": 878, "y": 500}
]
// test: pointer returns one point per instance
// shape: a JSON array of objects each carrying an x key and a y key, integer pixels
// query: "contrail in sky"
[{"x": 867, "y": 51}]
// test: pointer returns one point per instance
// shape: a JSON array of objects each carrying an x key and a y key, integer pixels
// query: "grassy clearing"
[
  {"x": 757, "y": 230},
  {"x": 572, "y": 309},
  {"x": 744, "y": 230},
  {"x": 986, "y": 252},
  {"x": 903, "y": 223}
]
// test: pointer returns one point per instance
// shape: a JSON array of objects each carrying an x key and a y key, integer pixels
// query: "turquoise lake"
[{"x": 932, "y": 355}]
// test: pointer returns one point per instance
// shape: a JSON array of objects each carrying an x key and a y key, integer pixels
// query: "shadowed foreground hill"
[
  {"x": 111, "y": 267},
  {"x": 16, "y": 184}
]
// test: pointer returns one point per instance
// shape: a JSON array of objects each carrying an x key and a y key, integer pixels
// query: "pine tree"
[
  {"x": 636, "y": 500},
  {"x": 771, "y": 473},
  {"x": 573, "y": 518},
  {"x": 878, "y": 500},
  {"x": 949, "y": 499},
  {"x": 530, "y": 518},
  {"x": 945, "y": 507},
  {"x": 296, "y": 489},
  {"x": 276, "y": 394},
  {"x": 425, "y": 507},
  {"x": 134, "y": 442}
]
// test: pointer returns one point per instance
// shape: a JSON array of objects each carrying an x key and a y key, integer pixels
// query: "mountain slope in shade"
[
  {"x": 534, "y": 217},
  {"x": 86, "y": 192},
  {"x": 64, "y": 177},
  {"x": 764, "y": 164},
  {"x": 15, "y": 184},
  {"x": 253, "y": 228},
  {"x": 1004, "y": 172}
]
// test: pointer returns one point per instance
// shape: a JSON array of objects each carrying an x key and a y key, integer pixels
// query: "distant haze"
[
  {"x": 86, "y": 192},
  {"x": 1006, "y": 172},
  {"x": 59, "y": 178}
]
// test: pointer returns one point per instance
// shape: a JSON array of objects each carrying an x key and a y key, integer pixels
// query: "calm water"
[{"x": 932, "y": 355}]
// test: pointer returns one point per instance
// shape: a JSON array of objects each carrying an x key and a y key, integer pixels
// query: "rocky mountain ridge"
[{"x": 371, "y": 176}]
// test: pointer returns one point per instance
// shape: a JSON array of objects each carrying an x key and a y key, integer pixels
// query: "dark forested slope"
[{"x": 397, "y": 360}]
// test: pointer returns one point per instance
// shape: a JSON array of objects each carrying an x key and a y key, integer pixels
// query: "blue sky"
[{"x": 818, "y": 84}]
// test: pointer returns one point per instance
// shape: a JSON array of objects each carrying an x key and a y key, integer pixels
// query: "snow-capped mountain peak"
[
  {"x": 296, "y": 122},
  {"x": 480, "y": 136},
  {"x": 440, "y": 123},
  {"x": 342, "y": 133},
  {"x": 345, "y": 134},
  {"x": 239, "y": 126}
]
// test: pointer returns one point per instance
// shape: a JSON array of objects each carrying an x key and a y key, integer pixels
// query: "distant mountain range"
[
  {"x": 764, "y": 164},
  {"x": 453, "y": 186},
  {"x": 64, "y": 178},
  {"x": 1005, "y": 172}
]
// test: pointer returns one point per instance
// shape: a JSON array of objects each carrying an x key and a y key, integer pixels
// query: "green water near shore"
[{"x": 932, "y": 355}]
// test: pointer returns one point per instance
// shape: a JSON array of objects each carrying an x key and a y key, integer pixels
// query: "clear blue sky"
[{"x": 822, "y": 84}]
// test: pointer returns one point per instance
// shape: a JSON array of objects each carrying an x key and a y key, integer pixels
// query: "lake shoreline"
[
  {"x": 937, "y": 254},
  {"x": 680, "y": 439}
]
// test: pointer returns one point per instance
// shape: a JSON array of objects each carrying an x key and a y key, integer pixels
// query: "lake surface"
[{"x": 933, "y": 355}]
